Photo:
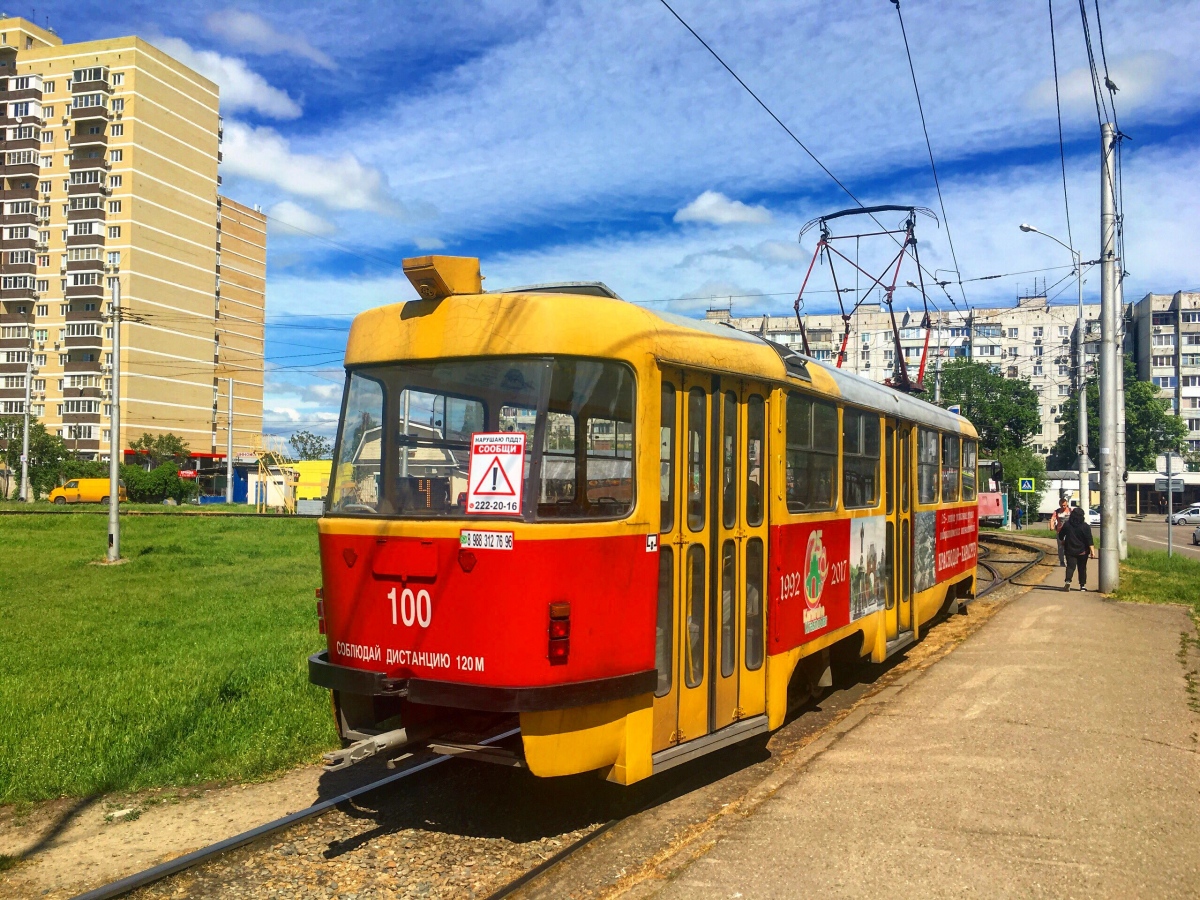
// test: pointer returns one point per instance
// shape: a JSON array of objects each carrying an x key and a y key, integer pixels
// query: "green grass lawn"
[
  {"x": 184, "y": 665},
  {"x": 1150, "y": 576}
]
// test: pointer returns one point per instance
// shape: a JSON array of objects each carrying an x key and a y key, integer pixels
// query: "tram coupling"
[{"x": 376, "y": 745}]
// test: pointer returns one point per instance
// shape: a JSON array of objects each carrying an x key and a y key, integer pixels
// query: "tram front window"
[{"x": 404, "y": 443}]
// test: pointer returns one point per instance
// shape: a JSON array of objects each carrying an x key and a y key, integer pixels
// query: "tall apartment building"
[
  {"x": 1166, "y": 345},
  {"x": 1034, "y": 341},
  {"x": 110, "y": 173}
]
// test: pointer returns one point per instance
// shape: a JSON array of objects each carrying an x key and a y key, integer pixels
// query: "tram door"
[{"x": 713, "y": 494}]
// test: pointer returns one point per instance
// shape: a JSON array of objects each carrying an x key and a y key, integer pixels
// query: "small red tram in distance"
[{"x": 636, "y": 533}]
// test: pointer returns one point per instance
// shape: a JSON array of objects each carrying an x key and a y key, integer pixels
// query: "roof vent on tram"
[
  {"x": 436, "y": 277},
  {"x": 583, "y": 288}
]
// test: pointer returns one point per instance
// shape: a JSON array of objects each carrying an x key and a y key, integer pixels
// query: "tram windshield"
[{"x": 404, "y": 441}]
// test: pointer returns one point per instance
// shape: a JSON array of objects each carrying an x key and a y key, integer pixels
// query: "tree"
[
  {"x": 311, "y": 446},
  {"x": 46, "y": 452},
  {"x": 1003, "y": 410},
  {"x": 161, "y": 448},
  {"x": 1150, "y": 427},
  {"x": 1018, "y": 463}
]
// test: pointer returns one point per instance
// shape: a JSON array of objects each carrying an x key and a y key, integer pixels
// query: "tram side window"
[
  {"x": 666, "y": 460},
  {"x": 729, "y": 460},
  {"x": 754, "y": 603},
  {"x": 950, "y": 468},
  {"x": 756, "y": 430},
  {"x": 812, "y": 454},
  {"x": 695, "y": 459},
  {"x": 927, "y": 465},
  {"x": 664, "y": 627},
  {"x": 860, "y": 458},
  {"x": 354, "y": 485},
  {"x": 968, "y": 470}
]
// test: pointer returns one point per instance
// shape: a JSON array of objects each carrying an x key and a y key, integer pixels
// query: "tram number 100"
[{"x": 413, "y": 608}]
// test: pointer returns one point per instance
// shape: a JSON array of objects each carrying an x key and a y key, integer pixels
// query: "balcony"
[
  {"x": 98, "y": 161},
  {"x": 98, "y": 113},
  {"x": 84, "y": 292},
  {"x": 85, "y": 265},
  {"x": 88, "y": 341}
]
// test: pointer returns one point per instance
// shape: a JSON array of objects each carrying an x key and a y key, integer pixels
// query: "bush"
[{"x": 156, "y": 485}]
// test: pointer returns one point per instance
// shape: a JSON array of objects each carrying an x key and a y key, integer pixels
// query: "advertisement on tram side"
[
  {"x": 956, "y": 541},
  {"x": 810, "y": 593}
]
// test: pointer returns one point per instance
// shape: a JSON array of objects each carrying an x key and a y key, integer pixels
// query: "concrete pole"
[
  {"x": 114, "y": 433},
  {"x": 229, "y": 448},
  {"x": 1170, "y": 506},
  {"x": 937, "y": 365},
  {"x": 1085, "y": 491},
  {"x": 1110, "y": 360},
  {"x": 26, "y": 494},
  {"x": 1123, "y": 496}
]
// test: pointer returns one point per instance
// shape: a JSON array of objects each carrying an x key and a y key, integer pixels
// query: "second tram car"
[{"x": 637, "y": 533}]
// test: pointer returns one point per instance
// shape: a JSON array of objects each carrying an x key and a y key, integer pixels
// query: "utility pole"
[
  {"x": 26, "y": 494},
  {"x": 1170, "y": 504},
  {"x": 1110, "y": 360},
  {"x": 114, "y": 434},
  {"x": 229, "y": 448},
  {"x": 937, "y": 365},
  {"x": 1085, "y": 487},
  {"x": 1123, "y": 504}
]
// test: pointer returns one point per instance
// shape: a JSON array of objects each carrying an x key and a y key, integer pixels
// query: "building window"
[
  {"x": 1162, "y": 318},
  {"x": 118, "y": 130},
  {"x": 114, "y": 206},
  {"x": 118, "y": 78},
  {"x": 1063, "y": 331},
  {"x": 116, "y": 155},
  {"x": 1191, "y": 318},
  {"x": 1163, "y": 381},
  {"x": 1014, "y": 333},
  {"x": 1190, "y": 359},
  {"x": 118, "y": 105},
  {"x": 1013, "y": 351},
  {"x": 43, "y": 310},
  {"x": 43, "y": 286},
  {"x": 45, "y": 185},
  {"x": 114, "y": 258},
  {"x": 115, "y": 181},
  {"x": 1164, "y": 340},
  {"x": 1037, "y": 331},
  {"x": 1037, "y": 351},
  {"x": 47, "y": 137},
  {"x": 1037, "y": 370},
  {"x": 84, "y": 228},
  {"x": 114, "y": 231},
  {"x": 44, "y": 260},
  {"x": 1064, "y": 390},
  {"x": 1191, "y": 380},
  {"x": 1162, "y": 361}
]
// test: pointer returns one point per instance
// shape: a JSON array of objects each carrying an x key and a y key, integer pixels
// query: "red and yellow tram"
[{"x": 638, "y": 533}]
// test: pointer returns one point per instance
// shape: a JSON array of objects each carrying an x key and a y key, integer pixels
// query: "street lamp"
[{"x": 1085, "y": 497}]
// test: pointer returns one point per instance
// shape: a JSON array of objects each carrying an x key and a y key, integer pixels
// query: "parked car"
[
  {"x": 1196, "y": 536},
  {"x": 1189, "y": 516},
  {"x": 1093, "y": 516},
  {"x": 84, "y": 490}
]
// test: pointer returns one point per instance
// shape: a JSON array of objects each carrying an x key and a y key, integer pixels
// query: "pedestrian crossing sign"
[{"x": 1026, "y": 486}]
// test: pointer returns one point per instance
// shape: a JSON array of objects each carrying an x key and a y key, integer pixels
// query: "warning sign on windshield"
[{"x": 496, "y": 473}]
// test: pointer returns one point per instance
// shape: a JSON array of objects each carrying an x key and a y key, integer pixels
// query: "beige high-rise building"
[{"x": 111, "y": 152}]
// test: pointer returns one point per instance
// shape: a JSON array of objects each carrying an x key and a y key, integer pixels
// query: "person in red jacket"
[{"x": 1077, "y": 547}]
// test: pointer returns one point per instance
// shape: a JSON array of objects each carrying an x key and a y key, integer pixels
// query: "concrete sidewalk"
[{"x": 1053, "y": 754}]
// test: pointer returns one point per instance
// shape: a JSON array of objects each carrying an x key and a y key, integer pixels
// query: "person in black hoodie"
[{"x": 1075, "y": 538}]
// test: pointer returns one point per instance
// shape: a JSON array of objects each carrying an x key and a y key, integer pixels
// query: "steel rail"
[
  {"x": 997, "y": 580},
  {"x": 188, "y": 860}
]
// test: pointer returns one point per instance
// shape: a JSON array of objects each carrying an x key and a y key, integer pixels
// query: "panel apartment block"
[
  {"x": 1033, "y": 340},
  {"x": 111, "y": 152}
]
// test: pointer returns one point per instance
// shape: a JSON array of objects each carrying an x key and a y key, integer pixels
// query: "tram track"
[{"x": 223, "y": 870}]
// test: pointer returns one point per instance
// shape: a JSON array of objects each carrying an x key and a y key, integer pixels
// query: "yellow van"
[{"x": 84, "y": 490}]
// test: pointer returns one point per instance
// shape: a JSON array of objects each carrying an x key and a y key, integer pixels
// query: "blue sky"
[{"x": 579, "y": 141}]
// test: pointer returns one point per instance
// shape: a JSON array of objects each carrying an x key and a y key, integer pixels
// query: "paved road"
[
  {"x": 1151, "y": 534},
  {"x": 1053, "y": 754}
]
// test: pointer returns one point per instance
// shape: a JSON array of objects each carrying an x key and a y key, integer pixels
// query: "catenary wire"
[
  {"x": 929, "y": 147},
  {"x": 1062, "y": 154}
]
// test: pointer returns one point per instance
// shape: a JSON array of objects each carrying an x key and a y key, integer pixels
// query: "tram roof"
[{"x": 540, "y": 321}]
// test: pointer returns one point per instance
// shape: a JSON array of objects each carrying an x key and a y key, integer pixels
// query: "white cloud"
[
  {"x": 714, "y": 208},
  {"x": 256, "y": 35},
  {"x": 294, "y": 217},
  {"x": 341, "y": 183},
  {"x": 240, "y": 87},
  {"x": 429, "y": 243}
]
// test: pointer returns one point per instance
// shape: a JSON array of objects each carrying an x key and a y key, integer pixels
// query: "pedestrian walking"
[
  {"x": 1057, "y": 521},
  {"x": 1019, "y": 513},
  {"x": 1075, "y": 537}
]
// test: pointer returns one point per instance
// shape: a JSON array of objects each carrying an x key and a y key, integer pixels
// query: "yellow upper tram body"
[{"x": 699, "y": 517}]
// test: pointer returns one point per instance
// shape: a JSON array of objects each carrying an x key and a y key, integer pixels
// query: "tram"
[{"x": 638, "y": 534}]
